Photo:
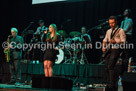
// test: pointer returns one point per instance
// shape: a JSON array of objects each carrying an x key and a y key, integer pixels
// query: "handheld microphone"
[{"x": 47, "y": 28}]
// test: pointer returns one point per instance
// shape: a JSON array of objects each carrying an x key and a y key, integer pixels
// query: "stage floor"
[{"x": 23, "y": 87}]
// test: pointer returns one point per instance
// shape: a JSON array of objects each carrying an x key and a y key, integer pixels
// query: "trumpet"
[{"x": 7, "y": 51}]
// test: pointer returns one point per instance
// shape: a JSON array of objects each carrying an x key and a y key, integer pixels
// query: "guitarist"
[
  {"x": 112, "y": 56},
  {"x": 127, "y": 26}
]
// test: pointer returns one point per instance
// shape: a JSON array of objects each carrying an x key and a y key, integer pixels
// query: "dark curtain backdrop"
[{"x": 70, "y": 16}]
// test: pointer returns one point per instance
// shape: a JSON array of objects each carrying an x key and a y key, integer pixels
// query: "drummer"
[
  {"x": 85, "y": 39},
  {"x": 84, "y": 36}
]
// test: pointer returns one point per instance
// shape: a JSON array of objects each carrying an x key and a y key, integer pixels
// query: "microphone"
[
  {"x": 104, "y": 23},
  {"x": 119, "y": 15},
  {"x": 47, "y": 28},
  {"x": 10, "y": 36}
]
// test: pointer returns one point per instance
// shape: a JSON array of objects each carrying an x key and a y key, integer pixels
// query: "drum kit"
[{"x": 68, "y": 54}]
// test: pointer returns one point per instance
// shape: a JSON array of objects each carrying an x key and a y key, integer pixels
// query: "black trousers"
[
  {"x": 128, "y": 52},
  {"x": 112, "y": 73},
  {"x": 15, "y": 70}
]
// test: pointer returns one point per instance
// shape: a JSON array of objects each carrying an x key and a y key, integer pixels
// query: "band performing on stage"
[{"x": 72, "y": 47}]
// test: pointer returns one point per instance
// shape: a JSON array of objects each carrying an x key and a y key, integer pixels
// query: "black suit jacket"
[{"x": 16, "y": 51}]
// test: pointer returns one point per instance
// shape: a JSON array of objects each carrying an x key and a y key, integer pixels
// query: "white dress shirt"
[{"x": 120, "y": 37}]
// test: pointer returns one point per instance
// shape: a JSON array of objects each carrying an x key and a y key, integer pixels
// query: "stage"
[
  {"x": 85, "y": 74},
  {"x": 91, "y": 73}
]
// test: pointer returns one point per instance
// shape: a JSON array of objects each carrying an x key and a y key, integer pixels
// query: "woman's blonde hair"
[{"x": 54, "y": 39}]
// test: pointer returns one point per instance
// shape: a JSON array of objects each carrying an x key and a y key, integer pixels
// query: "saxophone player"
[{"x": 15, "y": 57}]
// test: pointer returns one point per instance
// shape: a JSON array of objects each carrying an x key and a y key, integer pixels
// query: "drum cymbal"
[
  {"x": 62, "y": 33},
  {"x": 76, "y": 39},
  {"x": 74, "y": 33},
  {"x": 35, "y": 34}
]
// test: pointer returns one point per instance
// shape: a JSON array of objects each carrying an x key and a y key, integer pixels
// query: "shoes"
[
  {"x": 17, "y": 84},
  {"x": 109, "y": 88}
]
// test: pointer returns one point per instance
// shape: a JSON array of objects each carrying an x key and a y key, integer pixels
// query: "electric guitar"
[{"x": 108, "y": 47}]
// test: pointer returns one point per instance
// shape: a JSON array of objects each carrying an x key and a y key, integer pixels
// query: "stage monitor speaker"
[
  {"x": 129, "y": 81},
  {"x": 39, "y": 81}
]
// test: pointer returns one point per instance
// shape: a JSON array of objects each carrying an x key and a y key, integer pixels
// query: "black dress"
[{"x": 50, "y": 53}]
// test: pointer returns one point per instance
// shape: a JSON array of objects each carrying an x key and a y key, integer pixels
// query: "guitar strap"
[{"x": 112, "y": 34}]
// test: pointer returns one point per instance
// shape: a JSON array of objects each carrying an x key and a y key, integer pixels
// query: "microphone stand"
[
  {"x": 25, "y": 53},
  {"x": 96, "y": 27},
  {"x": 23, "y": 33},
  {"x": 75, "y": 61},
  {"x": 28, "y": 58},
  {"x": 26, "y": 81}
]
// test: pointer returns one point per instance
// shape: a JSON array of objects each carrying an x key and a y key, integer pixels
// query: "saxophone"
[{"x": 7, "y": 51}]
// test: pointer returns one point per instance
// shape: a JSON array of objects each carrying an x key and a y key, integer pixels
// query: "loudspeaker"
[
  {"x": 39, "y": 81},
  {"x": 129, "y": 81}
]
